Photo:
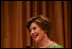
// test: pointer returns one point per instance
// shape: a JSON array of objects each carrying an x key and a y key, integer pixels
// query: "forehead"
[{"x": 33, "y": 25}]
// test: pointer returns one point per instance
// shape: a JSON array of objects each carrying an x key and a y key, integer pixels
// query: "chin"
[{"x": 36, "y": 40}]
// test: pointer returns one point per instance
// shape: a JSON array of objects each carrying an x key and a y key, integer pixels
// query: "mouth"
[{"x": 35, "y": 35}]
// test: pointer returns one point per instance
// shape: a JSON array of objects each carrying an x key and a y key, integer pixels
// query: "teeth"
[{"x": 35, "y": 35}]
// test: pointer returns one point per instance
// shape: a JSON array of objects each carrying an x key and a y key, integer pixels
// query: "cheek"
[{"x": 39, "y": 30}]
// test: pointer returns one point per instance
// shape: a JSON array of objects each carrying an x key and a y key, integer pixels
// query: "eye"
[{"x": 34, "y": 28}]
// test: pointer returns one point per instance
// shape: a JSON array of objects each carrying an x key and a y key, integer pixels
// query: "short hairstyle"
[{"x": 42, "y": 22}]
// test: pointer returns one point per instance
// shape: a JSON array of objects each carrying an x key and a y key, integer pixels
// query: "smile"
[{"x": 35, "y": 35}]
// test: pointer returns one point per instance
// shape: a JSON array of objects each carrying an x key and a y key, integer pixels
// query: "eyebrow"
[{"x": 33, "y": 27}]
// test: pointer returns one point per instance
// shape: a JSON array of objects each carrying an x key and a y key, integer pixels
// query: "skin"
[{"x": 39, "y": 35}]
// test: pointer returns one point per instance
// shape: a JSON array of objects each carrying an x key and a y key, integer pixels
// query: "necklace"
[{"x": 47, "y": 45}]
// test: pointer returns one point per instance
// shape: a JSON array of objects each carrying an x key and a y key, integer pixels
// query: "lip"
[{"x": 35, "y": 35}]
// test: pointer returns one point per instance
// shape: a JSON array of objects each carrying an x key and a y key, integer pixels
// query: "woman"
[{"x": 39, "y": 28}]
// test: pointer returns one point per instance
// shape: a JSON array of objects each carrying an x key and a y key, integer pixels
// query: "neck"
[{"x": 44, "y": 42}]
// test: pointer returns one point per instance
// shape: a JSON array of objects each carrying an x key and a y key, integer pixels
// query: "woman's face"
[{"x": 36, "y": 32}]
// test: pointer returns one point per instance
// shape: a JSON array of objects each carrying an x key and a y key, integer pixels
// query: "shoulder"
[
  {"x": 55, "y": 45},
  {"x": 59, "y": 46}
]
